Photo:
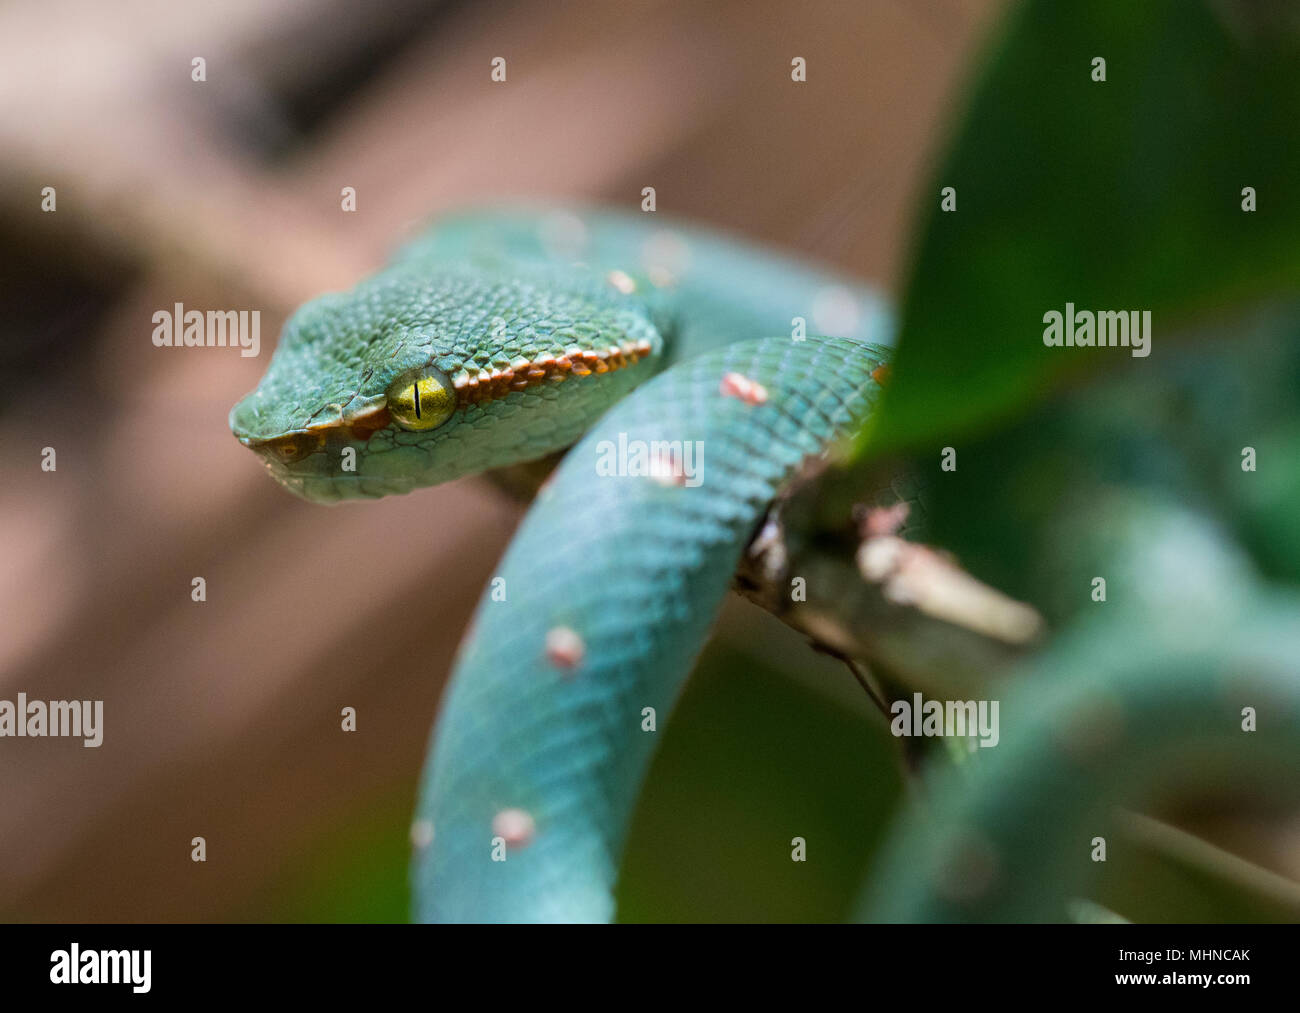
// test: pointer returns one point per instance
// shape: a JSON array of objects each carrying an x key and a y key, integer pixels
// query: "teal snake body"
[
  {"x": 631, "y": 567},
  {"x": 505, "y": 336}
]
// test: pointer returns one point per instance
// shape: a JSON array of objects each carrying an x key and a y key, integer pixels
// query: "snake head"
[{"x": 428, "y": 372}]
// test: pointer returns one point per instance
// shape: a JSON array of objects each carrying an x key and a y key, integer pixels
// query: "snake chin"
[
  {"x": 327, "y": 476},
  {"x": 332, "y": 489}
]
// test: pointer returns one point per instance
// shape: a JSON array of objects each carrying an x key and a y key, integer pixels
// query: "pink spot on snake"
[
  {"x": 514, "y": 826},
  {"x": 667, "y": 468},
  {"x": 622, "y": 281},
  {"x": 881, "y": 521},
  {"x": 564, "y": 648},
  {"x": 742, "y": 387},
  {"x": 421, "y": 834}
]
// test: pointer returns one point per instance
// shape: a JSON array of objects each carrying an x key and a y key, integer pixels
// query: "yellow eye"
[{"x": 421, "y": 400}]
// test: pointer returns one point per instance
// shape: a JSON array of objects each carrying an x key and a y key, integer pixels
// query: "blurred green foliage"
[
  {"x": 1114, "y": 195},
  {"x": 354, "y": 872},
  {"x": 1080, "y": 463}
]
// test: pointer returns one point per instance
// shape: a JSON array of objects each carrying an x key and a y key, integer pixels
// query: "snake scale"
[{"x": 506, "y": 335}]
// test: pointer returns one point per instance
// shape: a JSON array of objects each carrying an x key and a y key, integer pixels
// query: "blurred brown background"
[{"x": 222, "y": 718}]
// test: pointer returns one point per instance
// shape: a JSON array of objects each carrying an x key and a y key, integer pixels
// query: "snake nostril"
[{"x": 293, "y": 447}]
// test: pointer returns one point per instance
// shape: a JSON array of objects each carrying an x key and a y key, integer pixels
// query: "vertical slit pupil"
[{"x": 416, "y": 389}]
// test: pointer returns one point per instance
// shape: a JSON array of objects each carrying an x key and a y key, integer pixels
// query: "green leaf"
[{"x": 1117, "y": 195}]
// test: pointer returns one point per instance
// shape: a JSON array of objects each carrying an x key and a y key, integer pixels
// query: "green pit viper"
[{"x": 507, "y": 335}]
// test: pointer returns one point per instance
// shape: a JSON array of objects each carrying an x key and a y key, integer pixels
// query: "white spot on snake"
[
  {"x": 421, "y": 834},
  {"x": 742, "y": 387},
  {"x": 514, "y": 826},
  {"x": 667, "y": 470},
  {"x": 835, "y": 311},
  {"x": 622, "y": 281},
  {"x": 564, "y": 649}
]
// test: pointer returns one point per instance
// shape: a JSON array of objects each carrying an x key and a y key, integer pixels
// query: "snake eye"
[{"x": 421, "y": 400}]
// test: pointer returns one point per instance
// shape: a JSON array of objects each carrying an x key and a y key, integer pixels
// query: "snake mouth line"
[
  {"x": 483, "y": 386},
  {"x": 299, "y": 443}
]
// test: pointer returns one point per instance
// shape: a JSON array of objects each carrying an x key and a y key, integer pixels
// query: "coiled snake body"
[
  {"x": 523, "y": 331},
  {"x": 683, "y": 371}
]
